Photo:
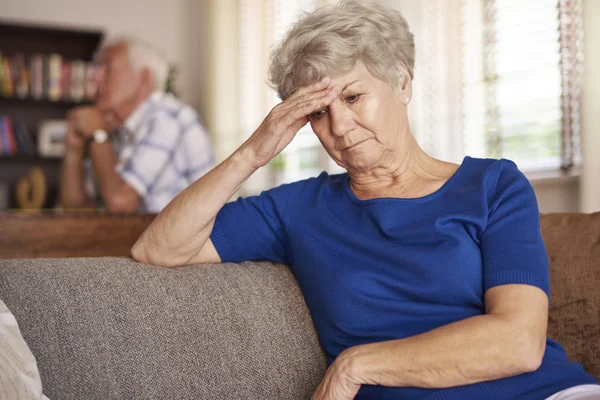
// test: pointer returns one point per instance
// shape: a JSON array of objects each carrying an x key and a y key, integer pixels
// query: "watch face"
[{"x": 100, "y": 136}]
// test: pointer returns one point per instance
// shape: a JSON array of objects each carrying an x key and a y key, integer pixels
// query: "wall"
[
  {"x": 590, "y": 102},
  {"x": 179, "y": 26},
  {"x": 582, "y": 193},
  {"x": 557, "y": 194},
  {"x": 170, "y": 24}
]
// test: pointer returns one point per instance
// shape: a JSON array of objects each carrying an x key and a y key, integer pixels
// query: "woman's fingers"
[
  {"x": 283, "y": 122},
  {"x": 315, "y": 87},
  {"x": 307, "y": 107},
  {"x": 290, "y": 104},
  {"x": 305, "y": 93}
]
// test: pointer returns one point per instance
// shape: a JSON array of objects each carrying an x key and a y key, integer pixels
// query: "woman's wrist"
[
  {"x": 353, "y": 363},
  {"x": 244, "y": 159},
  {"x": 363, "y": 362}
]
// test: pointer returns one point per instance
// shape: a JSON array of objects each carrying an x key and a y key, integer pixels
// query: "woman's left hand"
[{"x": 338, "y": 383}]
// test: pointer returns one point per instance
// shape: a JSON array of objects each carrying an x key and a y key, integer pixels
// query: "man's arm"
[
  {"x": 72, "y": 192},
  {"x": 116, "y": 193}
]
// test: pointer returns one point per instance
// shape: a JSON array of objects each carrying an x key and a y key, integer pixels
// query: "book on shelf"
[
  {"x": 14, "y": 138},
  {"x": 46, "y": 77}
]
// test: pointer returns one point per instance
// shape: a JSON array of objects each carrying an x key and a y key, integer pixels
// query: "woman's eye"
[
  {"x": 317, "y": 114},
  {"x": 352, "y": 98}
]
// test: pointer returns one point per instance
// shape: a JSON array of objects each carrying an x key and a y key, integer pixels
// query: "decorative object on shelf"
[
  {"x": 51, "y": 138},
  {"x": 31, "y": 189}
]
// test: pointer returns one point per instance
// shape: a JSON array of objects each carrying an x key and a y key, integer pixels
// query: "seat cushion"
[{"x": 110, "y": 328}]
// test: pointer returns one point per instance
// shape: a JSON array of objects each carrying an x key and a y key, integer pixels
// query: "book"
[
  {"x": 90, "y": 82},
  {"x": 7, "y": 79},
  {"x": 4, "y": 137},
  {"x": 77, "y": 88},
  {"x": 54, "y": 73},
  {"x": 65, "y": 81},
  {"x": 1, "y": 135},
  {"x": 24, "y": 137},
  {"x": 36, "y": 64},
  {"x": 20, "y": 76},
  {"x": 11, "y": 146}
]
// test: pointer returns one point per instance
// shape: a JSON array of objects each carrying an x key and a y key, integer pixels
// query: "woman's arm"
[
  {"x": 180, "y": 234},
  {"x": 508, "y": 340}
]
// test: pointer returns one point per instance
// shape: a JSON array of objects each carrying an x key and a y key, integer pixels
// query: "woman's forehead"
[{"x": 357, "y": 75}]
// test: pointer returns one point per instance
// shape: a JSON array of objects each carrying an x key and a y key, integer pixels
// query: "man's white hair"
[{"x": 144, "y": 55}]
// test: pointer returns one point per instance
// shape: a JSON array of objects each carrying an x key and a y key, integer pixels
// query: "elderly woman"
[{"x": 424, "y": 279}]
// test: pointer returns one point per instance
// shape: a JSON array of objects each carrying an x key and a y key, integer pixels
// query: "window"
[
  {"x": 498, "y": 78},
  {"x": 494, "y": 78},
  {"x": 262, "y": 24}
]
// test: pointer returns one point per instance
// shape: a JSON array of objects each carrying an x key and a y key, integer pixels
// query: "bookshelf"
[{"x": 30, "y": 40}]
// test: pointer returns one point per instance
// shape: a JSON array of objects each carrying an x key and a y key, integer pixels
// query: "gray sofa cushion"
[{"x": 110, "y": 328}]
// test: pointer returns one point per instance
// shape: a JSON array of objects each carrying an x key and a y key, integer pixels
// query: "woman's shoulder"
[
  {"x": 490, "y": 170},
  {"x": 307, "y": 187},
  {"x": 496, "y": 176}
]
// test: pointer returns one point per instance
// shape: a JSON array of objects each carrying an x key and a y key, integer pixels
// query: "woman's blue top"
[{"x": 391, "y": 268}]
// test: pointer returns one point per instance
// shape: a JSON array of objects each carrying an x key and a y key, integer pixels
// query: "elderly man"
[{"x": 144, "y": 145}]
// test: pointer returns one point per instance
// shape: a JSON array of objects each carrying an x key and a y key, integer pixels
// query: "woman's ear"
[{"x": 404, "y": 84}]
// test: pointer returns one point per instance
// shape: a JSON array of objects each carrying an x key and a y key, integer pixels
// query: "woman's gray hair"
[{"x": 332, "y": 39}]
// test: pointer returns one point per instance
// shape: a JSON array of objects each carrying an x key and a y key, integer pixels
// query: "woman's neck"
[{"x": 409, "y": 175}]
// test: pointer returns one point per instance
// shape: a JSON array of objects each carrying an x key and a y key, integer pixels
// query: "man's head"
[{"x": 129, "y": 70}]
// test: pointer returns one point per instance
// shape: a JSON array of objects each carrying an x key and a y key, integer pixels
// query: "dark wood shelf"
[
  {"x": 29, "y": 159},
  {"x": 72, "y": 43},
  {"x": 31, "y": 102}
]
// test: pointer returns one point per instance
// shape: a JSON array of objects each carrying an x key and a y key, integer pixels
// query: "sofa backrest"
[
  {"x": 110, "y": 328},
  {"x": 573, "y": 246}
]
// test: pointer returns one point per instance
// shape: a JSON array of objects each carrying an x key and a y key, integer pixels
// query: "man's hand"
[
  {"x": 74, "y": 143},
  {"x": 338, "y": 383},
  {"x": 86, "y": 120}
]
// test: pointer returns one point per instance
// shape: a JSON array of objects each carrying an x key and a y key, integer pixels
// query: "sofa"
[{"x": 111, "y": 328}]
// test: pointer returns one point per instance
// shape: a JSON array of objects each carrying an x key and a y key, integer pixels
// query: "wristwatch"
[{"x": 100, "y": 136}]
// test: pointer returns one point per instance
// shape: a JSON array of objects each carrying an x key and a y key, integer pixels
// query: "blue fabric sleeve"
[
  {"x": 512, "y": 247},
  {"x": 253, "y": 228}
]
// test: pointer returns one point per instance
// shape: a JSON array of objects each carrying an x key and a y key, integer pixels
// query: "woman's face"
[{"x": 367, "y": 124}]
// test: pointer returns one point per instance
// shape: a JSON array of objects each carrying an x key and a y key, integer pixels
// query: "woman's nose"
[{"x": 341, "y": 118}]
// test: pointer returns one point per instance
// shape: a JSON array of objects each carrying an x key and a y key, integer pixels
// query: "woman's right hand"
[{"x": 285, "y": 120}]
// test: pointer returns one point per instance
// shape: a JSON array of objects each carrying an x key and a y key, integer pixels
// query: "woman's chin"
[{"x": 360, "y": 164}]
